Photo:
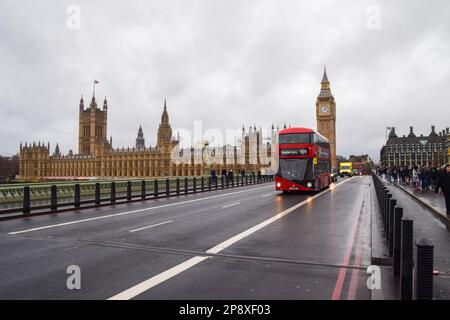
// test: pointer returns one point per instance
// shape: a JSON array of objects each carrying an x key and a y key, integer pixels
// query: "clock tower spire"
[{"x": 326, "y": 115}]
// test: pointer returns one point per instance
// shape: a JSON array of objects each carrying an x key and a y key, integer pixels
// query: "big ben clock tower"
[{"x": 326, "y": 115}]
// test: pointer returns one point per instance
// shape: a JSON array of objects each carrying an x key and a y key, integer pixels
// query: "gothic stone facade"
[
  {"x": 97, "y": 158},
  {"x": 326, "y": 115}
]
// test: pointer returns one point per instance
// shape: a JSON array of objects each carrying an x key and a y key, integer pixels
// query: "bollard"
[
  {"x": 97, "y": 194},
  {"x": 406, "y": 262},
  {"x": 178, "y": 186},
  {"x": 222, "y": 182},
  {"x": 237, "y": 181},
  {"x": 390, "y": 232},
  {"x": 128, "y": 190},
  {"x": 398, "y": 215},
  {"x": 246, "y": 179},
  {"x": 143, "y": 193},
  {"x": 202, "y": 183},
  {"x": 185, "y": 185},
  {"x": 383, "y": 202},
  {"x": 54, "y": 198},
  {"x": 216, "y": 182},
  {"x": 194, "y": 184},
  {"x": 113, "y": 192},
  {"x": 386, "y": 214},
  {"x": 77, "y": 196},
  {"x": 167, "y": 187},
  {"x": 26, "y": 200},
  {"x": 155, "y": 188},
  {"x": 424, "y": 270},
  {"x": 209, "y": 183}
]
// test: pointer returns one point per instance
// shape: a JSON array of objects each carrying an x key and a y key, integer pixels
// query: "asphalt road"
[{"x": 243, "y": 243}]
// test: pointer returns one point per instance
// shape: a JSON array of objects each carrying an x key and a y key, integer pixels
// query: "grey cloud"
[{"x": 227, "y": 63}]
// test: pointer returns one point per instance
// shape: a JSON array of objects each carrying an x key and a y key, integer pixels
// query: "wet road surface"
[{"x": 245, "y": 243}]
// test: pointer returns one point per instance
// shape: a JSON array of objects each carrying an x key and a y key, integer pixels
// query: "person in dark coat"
[
  {"x": 213, "y": 175},
  {"x": 230, "y": 176},
  {"x": 434, "y": 175},
  {"x": 443, "y": 183}
]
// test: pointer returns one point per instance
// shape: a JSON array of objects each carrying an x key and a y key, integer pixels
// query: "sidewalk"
[
  {"x": 432, "y": 227},
  {"x": 434, "y": 202}
]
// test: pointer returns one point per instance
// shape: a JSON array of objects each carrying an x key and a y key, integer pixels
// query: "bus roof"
[
  {"x": 296, "y": 130},
  {"x": 301, "y": 130}
]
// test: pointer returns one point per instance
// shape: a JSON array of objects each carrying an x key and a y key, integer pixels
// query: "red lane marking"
[
  {"x": 343, "y": 270},
  {"x": 355, "y": 273}
]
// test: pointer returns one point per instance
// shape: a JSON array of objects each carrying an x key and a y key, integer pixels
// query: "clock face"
[{"x": 324, "y": 109}]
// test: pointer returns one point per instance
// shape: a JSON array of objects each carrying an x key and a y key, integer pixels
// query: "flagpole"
[{"x": 94, "y": 90}]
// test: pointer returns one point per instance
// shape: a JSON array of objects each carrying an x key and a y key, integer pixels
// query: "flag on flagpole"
[{"x": 95, "y": 81}]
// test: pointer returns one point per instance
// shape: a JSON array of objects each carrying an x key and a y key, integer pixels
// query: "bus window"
[
  {"x": 297, "y": 169},
  {"x": 295, "y": 138}
]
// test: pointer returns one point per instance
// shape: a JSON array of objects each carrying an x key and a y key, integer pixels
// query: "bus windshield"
[
  {"x": 296, "y": 169},
  {"x": 292, "y": 138}
]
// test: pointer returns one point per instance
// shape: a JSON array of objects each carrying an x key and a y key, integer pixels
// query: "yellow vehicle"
[{"x": 346, "y": 169}]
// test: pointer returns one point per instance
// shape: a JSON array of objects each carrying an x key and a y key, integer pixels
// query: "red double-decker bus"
[{"x": 304, "y": 160}]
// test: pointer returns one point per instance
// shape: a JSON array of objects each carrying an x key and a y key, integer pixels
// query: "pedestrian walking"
[
  {"x": 415, "y": 177},
  {"x": 230, "y": 176},
  {"x": 434, "y": 174},
  {"x": 213, "y": 176},
  {"x": 443, "y": 183}
]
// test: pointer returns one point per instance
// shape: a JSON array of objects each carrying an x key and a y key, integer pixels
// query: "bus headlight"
[
  {"x": 309, "y": 184},
  {"x": 278, "y": 184}
]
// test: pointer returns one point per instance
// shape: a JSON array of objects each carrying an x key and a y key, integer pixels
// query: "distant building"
[
  {"x": 9, "y": 168},
  {"x": 97, "y": 158},
  {"x": 361, "y": 158},
  {"x": 414, "y": 150},
  {"x": 448, "y": 146}
]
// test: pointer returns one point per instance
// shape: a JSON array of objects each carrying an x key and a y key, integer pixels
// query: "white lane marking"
[
  {"x": 135, "y": 211},
  {"x": 267, "y": 195},
  {"x": 155, "y": 280},
  {"x": 153, "y": 225},
  {"x": 231, "y": 205}
]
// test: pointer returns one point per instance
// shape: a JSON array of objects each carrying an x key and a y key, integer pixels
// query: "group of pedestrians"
[
  {"x": 228, "y": 176},
  {"x": 422, "y": 179}
]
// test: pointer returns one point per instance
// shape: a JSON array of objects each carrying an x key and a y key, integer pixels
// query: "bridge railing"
[
  {"x": 398, "y": 231},
  {"x": 38, "y": 199}
]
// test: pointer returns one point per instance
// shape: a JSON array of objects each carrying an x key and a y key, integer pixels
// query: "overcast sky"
[{"x": 228, "y": 63}]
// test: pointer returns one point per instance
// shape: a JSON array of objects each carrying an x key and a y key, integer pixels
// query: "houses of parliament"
[{"x": 96, "y": 157}]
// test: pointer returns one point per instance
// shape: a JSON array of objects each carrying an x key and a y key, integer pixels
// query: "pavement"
[
  {"x": 433, "y": 201},
  {"x": 428, "y": 225}
]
